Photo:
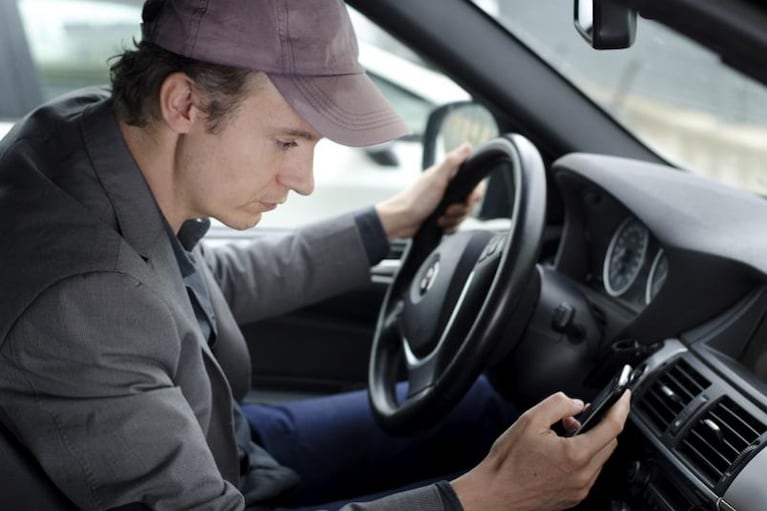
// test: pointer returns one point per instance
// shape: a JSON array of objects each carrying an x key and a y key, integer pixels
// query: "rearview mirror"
[
  {"x": 450, "y": 125},
  {"x": 604, "y": 24}
]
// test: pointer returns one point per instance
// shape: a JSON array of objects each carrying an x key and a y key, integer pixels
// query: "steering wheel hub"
[{"x": 437, "y": 287}]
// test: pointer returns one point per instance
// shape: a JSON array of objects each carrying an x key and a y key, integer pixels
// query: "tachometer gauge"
[
  {"x": 657, "y": 277},
  {"x": 625, "y": 256}
]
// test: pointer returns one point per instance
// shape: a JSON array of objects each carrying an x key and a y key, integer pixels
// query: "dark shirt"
[
  {"x": 189, "y": 235},
  {"x": 371, "y": 231}
]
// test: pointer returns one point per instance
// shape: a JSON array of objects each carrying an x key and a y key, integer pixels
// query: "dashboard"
[{"x": 668, "y": 272}]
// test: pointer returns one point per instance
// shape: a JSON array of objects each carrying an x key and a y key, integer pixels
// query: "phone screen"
[{"x": 604, "y": 400}]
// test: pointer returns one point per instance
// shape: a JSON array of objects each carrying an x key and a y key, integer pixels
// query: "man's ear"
[{"x": 177, "y": 102}]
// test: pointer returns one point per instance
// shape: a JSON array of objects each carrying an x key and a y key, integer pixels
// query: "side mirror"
[
  {"x": 604, "y": 24},
  {"x": 450, "y": 125}
]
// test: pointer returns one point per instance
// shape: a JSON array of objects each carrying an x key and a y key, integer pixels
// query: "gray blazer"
[{"x": 104, "y": 374}]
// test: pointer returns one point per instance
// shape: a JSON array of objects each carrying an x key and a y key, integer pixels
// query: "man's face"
[{"x": 249, "y": 165}]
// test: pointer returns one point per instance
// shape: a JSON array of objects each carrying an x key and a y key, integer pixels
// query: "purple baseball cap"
[{"x": 307, "y": 48}]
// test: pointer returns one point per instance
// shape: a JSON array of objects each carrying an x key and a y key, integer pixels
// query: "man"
[{"x": 121, "y": 363}]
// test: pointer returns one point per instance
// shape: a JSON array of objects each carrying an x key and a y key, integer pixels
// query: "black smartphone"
[{"x": 604, "y": 400}]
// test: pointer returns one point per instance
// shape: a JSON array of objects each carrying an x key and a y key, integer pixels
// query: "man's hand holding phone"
[
  {"x": 594, "y": 411},
  {"x": 530, "y": 467}
]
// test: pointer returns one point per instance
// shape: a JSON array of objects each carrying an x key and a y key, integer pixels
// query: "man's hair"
[{"x": 138, "y": 74}]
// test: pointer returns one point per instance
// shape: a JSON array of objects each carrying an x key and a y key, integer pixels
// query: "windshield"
[{"x": 673, "y": 94}]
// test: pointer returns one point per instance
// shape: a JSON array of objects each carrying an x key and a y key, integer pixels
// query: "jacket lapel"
[{"x": 143, "y": 227}]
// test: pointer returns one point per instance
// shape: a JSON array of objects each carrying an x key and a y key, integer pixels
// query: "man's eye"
[{"x": 284, "y": 145}]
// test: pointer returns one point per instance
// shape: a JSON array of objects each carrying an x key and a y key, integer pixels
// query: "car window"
[
  {"x": 72, "y": 40},
  {"x": 413, "y": 109},
  {"x": 673, "y": 94}
]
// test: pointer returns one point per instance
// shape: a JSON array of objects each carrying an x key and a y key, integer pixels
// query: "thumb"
[{"x": 555, "y": 408}]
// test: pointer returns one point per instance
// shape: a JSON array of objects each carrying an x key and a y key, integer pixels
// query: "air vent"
[
  {"x": 670, "y": 393},
  {"x": 721, "y": 440}
]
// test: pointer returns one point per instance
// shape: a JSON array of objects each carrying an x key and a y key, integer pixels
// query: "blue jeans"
[{"x": 341, "y": 454}]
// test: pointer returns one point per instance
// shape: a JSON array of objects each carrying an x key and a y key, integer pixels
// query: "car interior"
[{"x": 594, "y": 248}]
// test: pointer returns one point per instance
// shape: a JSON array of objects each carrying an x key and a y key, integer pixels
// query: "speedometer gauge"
[
  {"x": 657, "y": 277},
  {"x": 625, "y": 256}
]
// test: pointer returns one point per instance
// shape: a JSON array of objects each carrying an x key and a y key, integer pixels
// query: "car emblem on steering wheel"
[{"x": 429, "y": 278}]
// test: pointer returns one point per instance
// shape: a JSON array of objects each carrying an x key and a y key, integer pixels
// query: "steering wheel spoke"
[
  {"x": 421, "y": 376},
  {"x": 390, "y": 324},
  {"x": 474, "y": 293},
  {"x": 488, "y": 263}
]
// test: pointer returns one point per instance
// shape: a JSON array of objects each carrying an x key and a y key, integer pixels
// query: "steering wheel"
[{"x": 448, "y": 311}]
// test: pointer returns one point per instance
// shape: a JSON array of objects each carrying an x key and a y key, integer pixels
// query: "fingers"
[
  {"x": 456, "y": 157},
  {"x": 457, "y": 213},
  {"x": 476, "y": 195},
  {"x": 460, "y": 210},
  {"x": 453, "y": 216},
  {"x": 609, "y": 427},
  {"x": 570, "y": 424},
  {"x": 595, "y": 447},
  {"x": 452, "y": 160},
  {"x": 555, "y": 408}
]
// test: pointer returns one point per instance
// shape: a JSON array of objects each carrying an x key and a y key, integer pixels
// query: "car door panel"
[{"x": 319, "y": 349}]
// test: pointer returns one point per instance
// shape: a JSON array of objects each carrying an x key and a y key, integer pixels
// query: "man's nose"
[{"x": 299, "y": 178}]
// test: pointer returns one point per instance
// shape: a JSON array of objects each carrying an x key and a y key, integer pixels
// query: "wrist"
[
  {"x": 394, "y": 219},
  {"x": 448, "y": 497},
  {"x": 467, "y": 492}
]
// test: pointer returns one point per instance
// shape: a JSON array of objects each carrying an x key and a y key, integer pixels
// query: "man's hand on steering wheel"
[{"x": 402, "y": 215}]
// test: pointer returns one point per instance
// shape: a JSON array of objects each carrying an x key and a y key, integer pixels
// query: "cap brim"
[{"x": 348, "y": 109}]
